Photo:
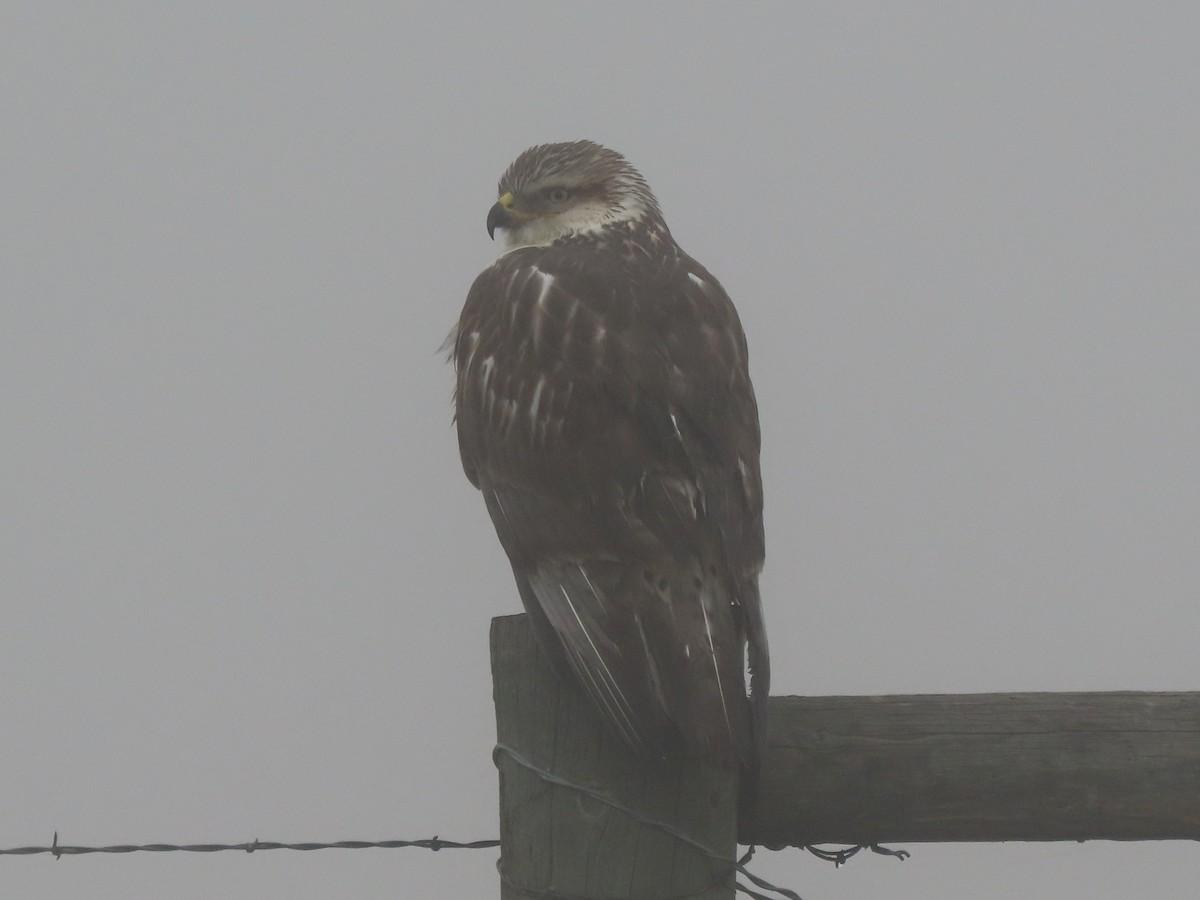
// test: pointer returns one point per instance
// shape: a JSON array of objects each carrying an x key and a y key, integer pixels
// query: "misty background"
[{"x": 244, "y": 586}]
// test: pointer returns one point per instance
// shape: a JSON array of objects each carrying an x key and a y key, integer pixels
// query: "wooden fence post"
[{"x": 557, "y": 759}]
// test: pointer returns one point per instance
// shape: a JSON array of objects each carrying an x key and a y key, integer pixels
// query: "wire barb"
[{"x": 842, "y": 855}]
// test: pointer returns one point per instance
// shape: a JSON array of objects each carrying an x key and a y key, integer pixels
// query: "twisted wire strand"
[
  {"x": 60, "y": 850},
  {"x": 725, "y": 867}
]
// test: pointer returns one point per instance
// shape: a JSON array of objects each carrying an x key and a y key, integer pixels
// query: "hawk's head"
[{"x": 554, "y": 190}]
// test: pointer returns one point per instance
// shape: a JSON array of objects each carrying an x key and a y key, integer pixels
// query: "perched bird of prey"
[{"x": 605, "y": 411}]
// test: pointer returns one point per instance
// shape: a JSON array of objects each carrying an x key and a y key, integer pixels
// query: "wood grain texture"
[
  {"x": 980, "y": 767},
  {"x": 555, "y": 838}
]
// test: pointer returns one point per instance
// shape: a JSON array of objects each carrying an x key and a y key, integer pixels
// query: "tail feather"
[{"x": 660, "y": 650}]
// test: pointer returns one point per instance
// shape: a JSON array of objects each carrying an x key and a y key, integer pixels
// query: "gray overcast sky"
[{"x": 245, "y": 587}]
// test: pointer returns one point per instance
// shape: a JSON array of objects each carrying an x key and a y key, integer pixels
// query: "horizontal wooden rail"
[{"x": 1119, "y": 766}]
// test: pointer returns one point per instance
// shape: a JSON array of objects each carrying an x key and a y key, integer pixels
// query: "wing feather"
[{"x": 607, "y": 414}]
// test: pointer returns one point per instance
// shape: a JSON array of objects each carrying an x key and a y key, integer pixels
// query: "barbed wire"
[
  {"x": 434, "y": 843},
  {"x": 723, "y": 870},
  {"x": 838, "y": 857}
]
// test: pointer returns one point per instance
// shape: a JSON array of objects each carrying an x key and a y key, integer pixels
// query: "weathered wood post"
[
  {"x": 668, "y": 832},
  {"x": 581, "y": 817}
]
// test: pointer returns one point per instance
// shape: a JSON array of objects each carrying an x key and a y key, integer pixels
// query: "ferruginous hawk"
[{"x": 605, "y": 410}]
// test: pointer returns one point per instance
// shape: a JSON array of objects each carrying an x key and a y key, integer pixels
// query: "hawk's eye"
[{"x": 557, "y": 194}]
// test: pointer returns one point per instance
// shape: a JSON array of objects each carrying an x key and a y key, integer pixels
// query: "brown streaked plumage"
[{"x": 605, "y": 410}]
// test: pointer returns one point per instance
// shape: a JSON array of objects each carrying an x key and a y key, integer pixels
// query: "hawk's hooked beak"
[{"x": 502, "y": 215}]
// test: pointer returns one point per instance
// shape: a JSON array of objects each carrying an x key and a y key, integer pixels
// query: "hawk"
[{"x": 605, "y": 411}]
